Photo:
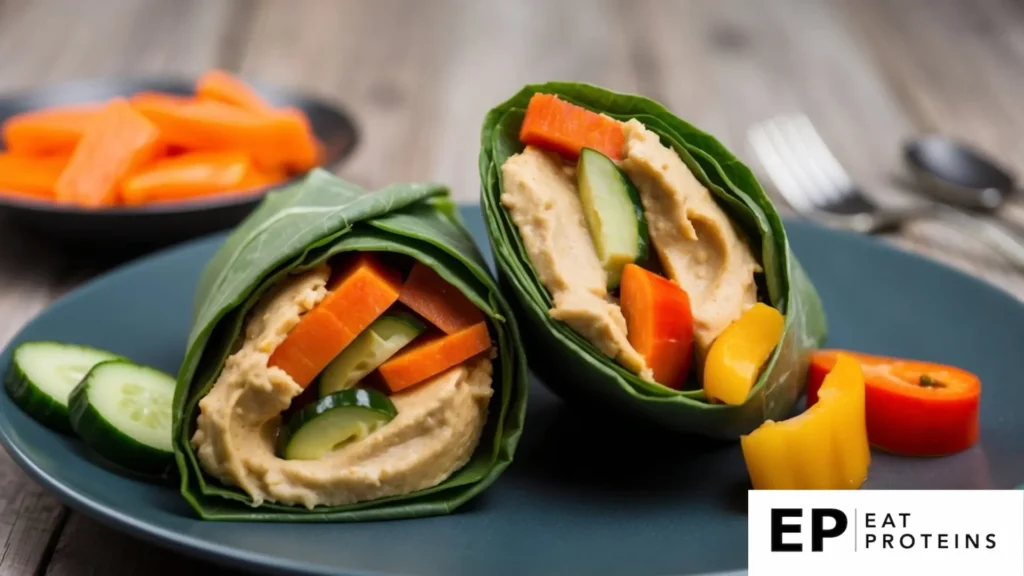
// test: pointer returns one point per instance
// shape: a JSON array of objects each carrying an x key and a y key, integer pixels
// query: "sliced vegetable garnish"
[
  {"x": 224, "y": 87},
  {"x": 43, "y": 374},
  {"x": 49, "y": 131},
  {"x": 431, "y": 356},
  {"x": 658, "y": 323},
  {"x": 614, "y": 213},
  {"x": 382, "y": 340},
  {"x": 359, "y": 293},
  {"x": 123, "y": 412},
  {"x": 736, "y": 357},
  {"x": 118, "y": 141},
  {"x": 440, "y": 303},
  {"x": 566, "y": 128},
  {"x": 914, "y": 408},
  {"x": 333, "y": 421},
  {"x": 825, "y": 448}
]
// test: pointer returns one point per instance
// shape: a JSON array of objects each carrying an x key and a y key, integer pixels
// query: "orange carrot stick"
[
  {"x": 658, "y": 323},
  {"x": 119, "y": 141},
  {"x": 440, "y": 303},
  {"x": 209, "y": 125},
  {"x": 227, "y": 88},
  {"x": 152, "y": 97},
  {"x": 432, "y": 355},
  {"x": 305, "y": 148},
  {"x": 565, "y": 128},
  {"x": 221, "y": 86},
  {"x": 359, "y": 294},
  {"x": 33, "y": 176},
  {"x": 259, "y": 177},
  {"x": 188, "y": 176},
  {"x": 54, "y": 130}
]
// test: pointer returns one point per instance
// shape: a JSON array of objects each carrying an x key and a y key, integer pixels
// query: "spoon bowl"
[{"x": 958, "y": 175}]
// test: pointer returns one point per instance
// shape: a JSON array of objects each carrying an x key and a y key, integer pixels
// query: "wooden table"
[{"x": 420, "y": 74}]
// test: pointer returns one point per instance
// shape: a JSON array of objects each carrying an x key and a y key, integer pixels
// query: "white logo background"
[{"x": 955, "y": 514}]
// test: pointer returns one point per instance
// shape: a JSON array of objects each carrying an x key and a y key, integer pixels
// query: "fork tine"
[
  {"x": 777, "y": 169},
  {"x": 806, "y": 155},
  {"x": 820, "y": 155},
  {"x": 815, "y": 193}
]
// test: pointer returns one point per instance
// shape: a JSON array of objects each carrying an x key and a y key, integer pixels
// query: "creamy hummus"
[
  {"x": 434, "y": 434},
  {"x": 542, "y": 199},
  {"x": 696, "y": 242}
]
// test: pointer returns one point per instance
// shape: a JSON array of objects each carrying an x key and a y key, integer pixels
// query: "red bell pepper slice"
[{"x": 913, "y": 408}]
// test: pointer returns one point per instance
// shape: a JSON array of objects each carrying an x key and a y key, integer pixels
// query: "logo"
[
  {"x": 818, "y": 531},
  {"x": 886, "y": 532}
]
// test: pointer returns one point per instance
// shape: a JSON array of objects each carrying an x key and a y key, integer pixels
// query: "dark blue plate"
[
  {"x": 170, "y": 222},
  {"x": 584, "y": 496}
]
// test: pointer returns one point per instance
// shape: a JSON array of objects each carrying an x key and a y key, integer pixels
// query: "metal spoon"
[
  {"x": 965, "y": 183},
  {"x": 958, "y": 175}
]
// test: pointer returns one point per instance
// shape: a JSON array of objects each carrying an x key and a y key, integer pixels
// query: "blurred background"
[{"x": 418, "y": 76}]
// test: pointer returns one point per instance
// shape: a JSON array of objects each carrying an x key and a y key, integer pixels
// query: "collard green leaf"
[
  {"x": 299, "y": 228},
  {"x": 573, "y": 367}
]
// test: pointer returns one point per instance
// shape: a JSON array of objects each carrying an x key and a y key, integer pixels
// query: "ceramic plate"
[
  {"x": 172, "y": 222},
  {"x": 584, "y": 496}
]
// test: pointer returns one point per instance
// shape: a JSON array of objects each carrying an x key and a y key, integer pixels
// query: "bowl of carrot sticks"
[{"x": 154, "y": 161}]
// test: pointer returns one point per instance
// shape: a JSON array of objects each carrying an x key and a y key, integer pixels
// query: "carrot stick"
[
  {"x": 565, "y": 128},
  {"x": 659, "y": 324},
  {"x": 224, "y": 87},
  {"x": 54, "y": 130},
  {"x": 359, "y": 294},
  {"x": 221, "y": 86},
  {"x": 204, "y": 124},
  {"x": 34, "y": 176},
  {"x": 152, "y": 97},
  {"x": 440, "y": 303},
  {"x": 188, "y": 176},
  {"x": 305, "y": 148},
  {"x": 118, "y": 141},
  {"x": 432, "y": 355},
  {"x": 259, "y": 177},
  {"x": 209, "y": 125}
]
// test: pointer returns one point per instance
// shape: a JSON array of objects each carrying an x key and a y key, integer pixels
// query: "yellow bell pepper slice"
[
  {"x": 737, "y": 355},
  {"x": 825, "y": 448}
]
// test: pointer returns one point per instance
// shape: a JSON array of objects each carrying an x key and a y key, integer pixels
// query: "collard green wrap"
[
  {"x": 574, "y": 368},
  {"x": 293, "y": 230}
]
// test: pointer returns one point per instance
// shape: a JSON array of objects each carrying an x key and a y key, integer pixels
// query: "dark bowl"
[{"x": 165, "y": 223}]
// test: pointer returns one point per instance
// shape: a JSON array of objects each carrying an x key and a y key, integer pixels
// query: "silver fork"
[{"x": 815, "y": 185}]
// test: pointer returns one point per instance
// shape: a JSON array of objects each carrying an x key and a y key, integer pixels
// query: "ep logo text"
[{"x": 823, "y": 523}]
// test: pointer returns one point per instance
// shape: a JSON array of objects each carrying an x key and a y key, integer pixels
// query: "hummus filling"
[
  {"x": 542, "y": 198},
  {"x": 696, "y": 243},
  {"x": 437, "y": 428}
]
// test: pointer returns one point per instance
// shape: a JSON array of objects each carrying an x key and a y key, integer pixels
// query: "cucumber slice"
[
  {"x": 614, "y": 213},
  {"x": 43, "y": 374},
  {"x": 334, "y": 420},
  {"x": 380, "y": 341},
  {"x": 123, "y": 412}
]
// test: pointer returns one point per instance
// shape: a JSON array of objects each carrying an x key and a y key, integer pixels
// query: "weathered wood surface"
[{"x": 420, "y": 75}]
